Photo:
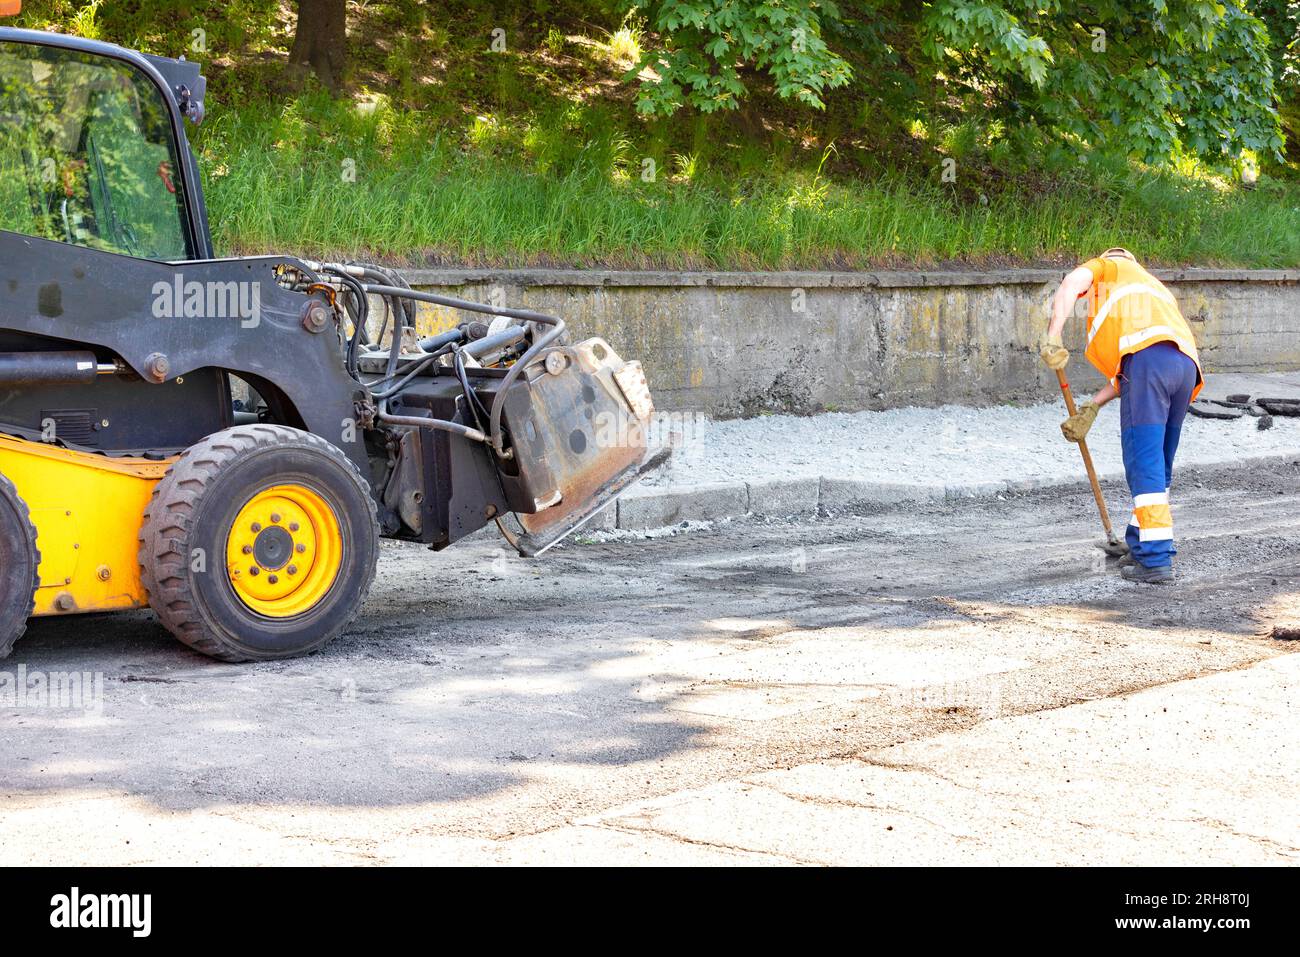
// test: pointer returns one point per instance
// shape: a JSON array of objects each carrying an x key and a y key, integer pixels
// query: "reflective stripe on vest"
[
  {"x": 1123, "y": 325},
  {"x": 1152, "y": 332},
  {"x": 1132, "y": 289}
]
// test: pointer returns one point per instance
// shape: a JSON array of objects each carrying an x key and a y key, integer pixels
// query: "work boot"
[{"x": 1161, "y": 575}]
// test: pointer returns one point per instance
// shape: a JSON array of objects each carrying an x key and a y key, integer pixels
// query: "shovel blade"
[{"x": 1115, "y": 548}]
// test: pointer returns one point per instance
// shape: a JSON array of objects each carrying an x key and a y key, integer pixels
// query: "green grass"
[
  {"x": 523, "y": 195},
  {"x": 534, "y": 156}
]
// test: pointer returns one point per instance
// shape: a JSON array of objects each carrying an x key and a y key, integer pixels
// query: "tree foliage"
[
  {"x": 1156, "y": 78},
  {"x": 706, "y": 44},
  {"x": 1160, "y": 80},
  {"x": 1282, "y": 18}
]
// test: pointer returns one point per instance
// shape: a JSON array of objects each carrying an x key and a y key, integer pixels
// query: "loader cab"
[{"x": 93, "y": 149}]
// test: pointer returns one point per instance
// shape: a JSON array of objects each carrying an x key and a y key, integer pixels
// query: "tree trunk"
[{"x": 320, "y": 40}]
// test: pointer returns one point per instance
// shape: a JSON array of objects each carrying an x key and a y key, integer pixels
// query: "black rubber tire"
[
  {"x": 19, "y": 566},
  {"x": 194, "y": 506}
]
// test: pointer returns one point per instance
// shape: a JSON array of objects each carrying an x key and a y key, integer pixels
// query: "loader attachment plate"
[
  {"x": 583, "y": 440},
  {"x": 530, "y": 544}
]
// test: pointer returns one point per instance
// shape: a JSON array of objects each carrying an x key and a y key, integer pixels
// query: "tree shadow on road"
[{"x": 469, "y": 679}]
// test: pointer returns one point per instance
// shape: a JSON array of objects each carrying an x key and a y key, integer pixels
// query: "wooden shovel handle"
[{"x": 1087, "y": 459}]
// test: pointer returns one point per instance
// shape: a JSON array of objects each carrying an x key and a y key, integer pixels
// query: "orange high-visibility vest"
[{"x": 1128, "y": 310}]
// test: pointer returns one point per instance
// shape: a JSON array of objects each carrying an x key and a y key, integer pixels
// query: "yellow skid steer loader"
[{"x": 225, "y": 440}]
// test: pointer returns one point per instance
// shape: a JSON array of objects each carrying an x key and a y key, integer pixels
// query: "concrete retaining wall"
[{"x": 743, "y": 343}]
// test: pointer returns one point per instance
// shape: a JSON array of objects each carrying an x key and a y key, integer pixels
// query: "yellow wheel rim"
[{"x": 284, "y": 551}]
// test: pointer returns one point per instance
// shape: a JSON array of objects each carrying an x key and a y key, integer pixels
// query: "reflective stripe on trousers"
[
  {"x": 1156, "y": 389},
  {"x": 1152, "y": 518}
]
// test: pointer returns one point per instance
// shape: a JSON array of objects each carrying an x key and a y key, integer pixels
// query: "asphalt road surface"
[{"x": 944, "y": 683}]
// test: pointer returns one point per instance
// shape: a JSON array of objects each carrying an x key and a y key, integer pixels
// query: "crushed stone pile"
[{"x": 949, "y": 445}]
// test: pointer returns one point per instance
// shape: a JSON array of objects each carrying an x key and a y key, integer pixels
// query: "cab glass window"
[{"x": 87, "y": 154}]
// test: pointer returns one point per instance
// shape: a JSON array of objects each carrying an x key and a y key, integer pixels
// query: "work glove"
[
  {"x": 1076, "y": 427},
  {"x": 1054, "y": 354}
]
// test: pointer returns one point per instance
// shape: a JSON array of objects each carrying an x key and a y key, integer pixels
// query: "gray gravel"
[{"x": 951, "y": 446}]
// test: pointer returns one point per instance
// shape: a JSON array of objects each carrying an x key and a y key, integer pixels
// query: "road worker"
[{"x": 1140, "y": 342}]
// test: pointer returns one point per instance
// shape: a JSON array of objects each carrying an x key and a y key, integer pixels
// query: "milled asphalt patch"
[
  {"x": 734, "y": 468},
  {"x": 641, "y": 509}
]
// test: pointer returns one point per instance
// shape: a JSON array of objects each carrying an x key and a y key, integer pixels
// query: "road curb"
[{"x": 642, "y": 509}]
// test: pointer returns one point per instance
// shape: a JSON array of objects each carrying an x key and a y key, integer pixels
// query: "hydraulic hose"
[
  {"x": 501, "y": 340},
  {"x": 419, "y": 422},
  {"x": 467, "y": 304},
  {"x": 527, "y": 315},
  {"x": 407, "y": 374},
  {"x": 370, "y": 271},
  {"x": 471, "y": 397},
  {"x": 362, "y": 305},
  {"x": 499, "y": 400},
  {"x": 434, "y": 343}
]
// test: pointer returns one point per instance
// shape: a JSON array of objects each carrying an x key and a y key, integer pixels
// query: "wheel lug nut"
[
  {"x": 293, "y": 526},
  {"x": 257, "y": 526},
  {"x": 292, "y": 569},
  {"x": 300, "y": 548},
  {"x": 273, "y": 579},
  {"x": 275, "y": 518},
  {"x": 255, "y": 570},
  {"x": 247, "y": 549}
]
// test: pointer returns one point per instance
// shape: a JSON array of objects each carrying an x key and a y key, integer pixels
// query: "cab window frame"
[{"x": 197, "y": 241}]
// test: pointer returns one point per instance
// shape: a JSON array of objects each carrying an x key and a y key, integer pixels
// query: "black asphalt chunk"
[
  {"x": 1288, "y": 407},
  {"x": 1206, "y": 410}
]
